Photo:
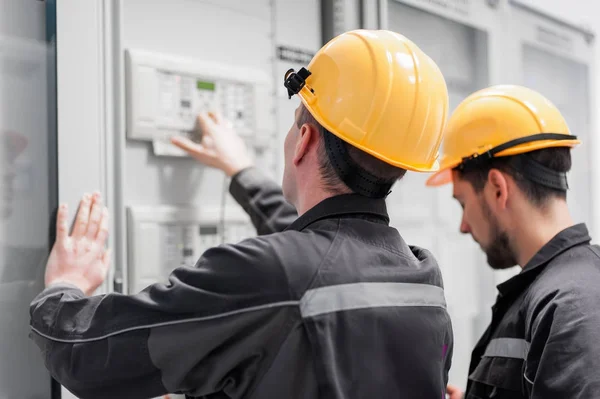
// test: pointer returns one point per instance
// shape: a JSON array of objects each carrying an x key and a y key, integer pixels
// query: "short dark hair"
[
  {"x": 557, "y": 159},
  {"x": 330, "y": 179}
]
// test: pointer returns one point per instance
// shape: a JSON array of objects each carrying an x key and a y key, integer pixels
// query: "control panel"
[
  {"x": 166, "y": 93},
  {"x": 162, "y": 238}
]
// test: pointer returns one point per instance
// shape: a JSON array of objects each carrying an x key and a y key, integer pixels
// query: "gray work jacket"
[
  {"x": 336, "y": 305},
  {"x": 544, "y": 338}
]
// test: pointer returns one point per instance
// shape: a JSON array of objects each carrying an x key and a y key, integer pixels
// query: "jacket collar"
[
  {"x": 566, "y": 239},
  {"x": 343, "y": 205}
]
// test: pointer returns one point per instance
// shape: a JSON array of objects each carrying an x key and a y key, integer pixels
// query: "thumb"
[{"x": 187, "y": 145}]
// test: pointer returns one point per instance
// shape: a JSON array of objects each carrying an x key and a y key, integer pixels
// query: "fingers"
[
  {"x": 188, "y": 145},
  {"x": 82, "y": 218},
  {"x": 205, "y": 123},
  {"x": 62, "y": 226},
  {"x": 95, "y": 217},
  {"x": 220, "y": 120},
  {"x": 217, "y": 117},
  {"x": 91, "y": 221}
]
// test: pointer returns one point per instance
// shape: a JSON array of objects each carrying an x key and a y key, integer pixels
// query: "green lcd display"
[{"x": 205, "y": 85}]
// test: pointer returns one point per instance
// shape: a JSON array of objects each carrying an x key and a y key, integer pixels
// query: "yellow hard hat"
[
  {"x": 377, "y": 91},
  {"x": 500, "y": 121}
]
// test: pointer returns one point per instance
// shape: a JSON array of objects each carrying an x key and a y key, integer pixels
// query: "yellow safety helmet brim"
[
  {"x": 439, "y": 178},
  {"x": 495, "y": 116}
]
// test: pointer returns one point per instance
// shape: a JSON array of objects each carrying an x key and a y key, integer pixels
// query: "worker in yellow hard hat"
[
  {"x": 507, "y": 151},
  {"x": 330, "y": 304}
]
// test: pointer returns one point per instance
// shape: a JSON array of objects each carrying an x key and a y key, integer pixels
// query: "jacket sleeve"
[
  {"x": 564, "y": 357},
  {"x": 263, "y": 200},
  {"x": 212, "y": 328}
]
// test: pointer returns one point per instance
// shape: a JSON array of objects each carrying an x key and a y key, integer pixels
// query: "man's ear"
[
  {"x": 498, "y": 187},
  {"x": 306, "y": 138}
]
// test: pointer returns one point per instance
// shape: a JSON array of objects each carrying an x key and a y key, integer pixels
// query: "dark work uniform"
[
  {"x": 335, "y": 306},
  {"x": 544, "y": 338}
]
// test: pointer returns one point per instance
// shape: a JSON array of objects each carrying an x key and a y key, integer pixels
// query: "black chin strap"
[
  {"x": 527, "y": 166},
  {"x": 355, "y": 177}
]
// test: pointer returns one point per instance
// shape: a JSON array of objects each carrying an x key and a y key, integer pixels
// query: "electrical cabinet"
[
  {"x": 162, "y": 238},
  {"x": 223, "y": 56},
  {"x": 165, "y": 94}
]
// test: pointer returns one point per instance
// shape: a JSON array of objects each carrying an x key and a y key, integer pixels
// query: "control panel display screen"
[{"x": 201, "y": 85}]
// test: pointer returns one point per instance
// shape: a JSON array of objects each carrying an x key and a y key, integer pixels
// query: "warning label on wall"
[{"x": 294, "y": 54}]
